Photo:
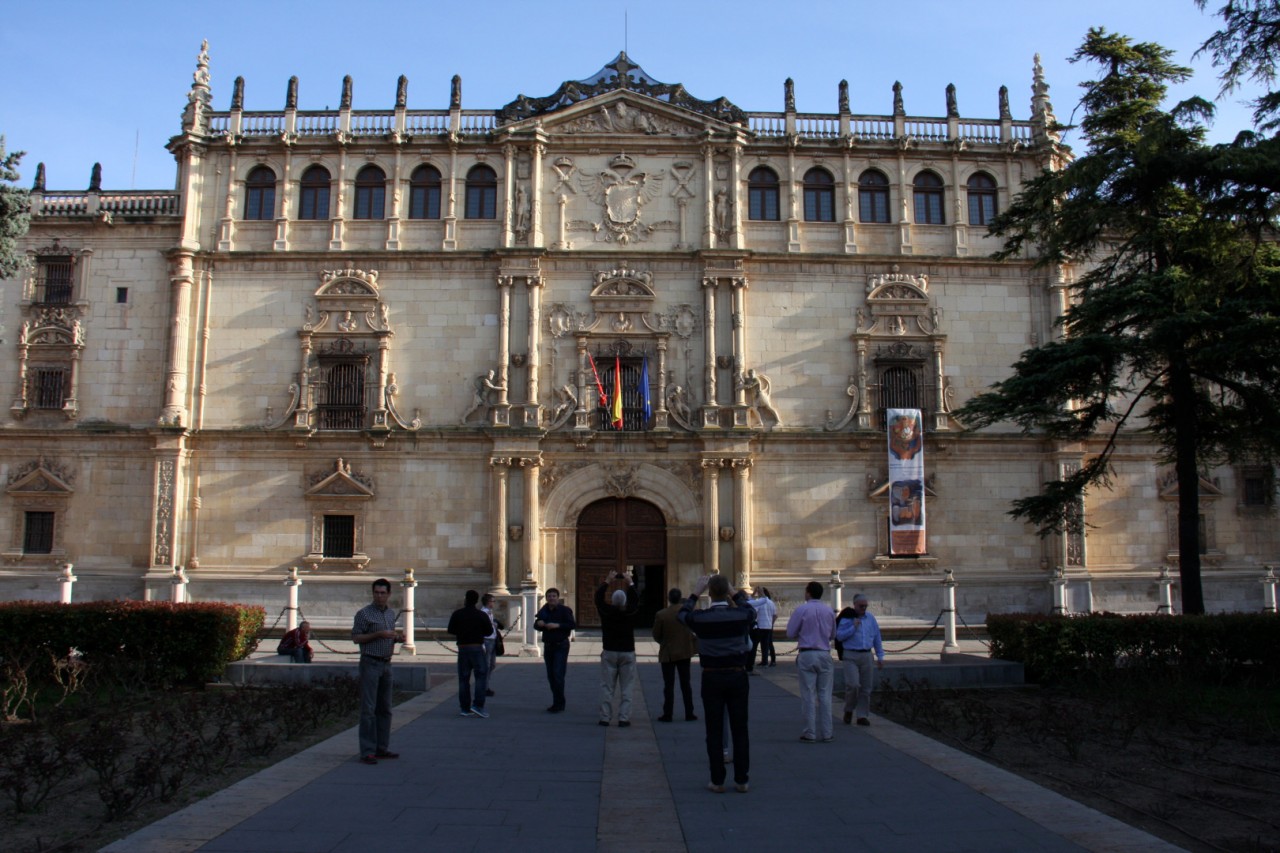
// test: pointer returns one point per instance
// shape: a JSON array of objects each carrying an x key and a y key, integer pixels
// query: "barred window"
[
  {"x": 55, "y": 280},
  {"x": 339, "y": 536},
  {"x": 48, "y": 387},
  {"x": 37, "y": 533},
  {"x": 900, "y": 388},
  {"x": 342, "y": 396},
  {"x": 633, "y": 395}
]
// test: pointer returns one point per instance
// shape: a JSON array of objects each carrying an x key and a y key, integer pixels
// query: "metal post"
[
  {"x": 1166, "y": 592},
  {"x": 409, "y": 584},
  {"x": 1269, "y": 581},
  {"x": 68, "y": 579},
  {"x": 949, "y": 644},
  {"x": 837, "y": 587},
  {"x": 291, "y": 609},
  {"x": 178, "y": 595}
]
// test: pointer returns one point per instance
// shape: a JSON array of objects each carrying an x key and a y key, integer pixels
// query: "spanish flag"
[{"x": 616, "y": 409}]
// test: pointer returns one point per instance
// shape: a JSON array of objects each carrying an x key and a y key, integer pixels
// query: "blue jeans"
[
  {"x": 720, "y": 691},
  {"x": 556, "y": 657},
  {"x": 375, "y": 705},
  {"x": 472, "y": 659}
]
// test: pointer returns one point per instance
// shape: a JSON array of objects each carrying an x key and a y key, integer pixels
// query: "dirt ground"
[{"x": 1204, "y": 775}]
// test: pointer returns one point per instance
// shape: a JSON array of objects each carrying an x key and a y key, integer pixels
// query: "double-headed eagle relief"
[{"x": 622, "y": 192}]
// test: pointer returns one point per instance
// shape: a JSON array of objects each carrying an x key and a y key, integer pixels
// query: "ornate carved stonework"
[
  {"x": 341, "y": 482},
  {"x": 621, "y": 480},
  {"x": 621, "y": 191}
]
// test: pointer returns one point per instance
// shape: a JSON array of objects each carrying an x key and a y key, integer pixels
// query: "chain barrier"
[
  {"x": 973, "y": 632},
  {"x": 941, "y": 613}
]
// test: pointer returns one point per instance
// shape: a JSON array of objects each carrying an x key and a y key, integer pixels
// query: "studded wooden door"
[{"x": 621, "y": 535}]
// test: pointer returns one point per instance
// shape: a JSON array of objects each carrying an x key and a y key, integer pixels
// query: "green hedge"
[
  {"x": 157, "y": 642},
  {"x": 1054, "y": 648}
]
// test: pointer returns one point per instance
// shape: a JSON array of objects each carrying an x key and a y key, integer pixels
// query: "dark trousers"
[
  {"x": 726, "y": 690},
  {"x": 472, "y": 660},
  {"x": 556, "y": 658},
  {"x": 375, "y": 705},
  {"x": 669, "y": 670},
  {"x": 762, "y": 639}
]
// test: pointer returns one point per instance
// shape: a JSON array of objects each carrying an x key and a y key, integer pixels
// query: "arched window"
[
  {"x": 260, "y": 194},
  {"x": 762, "y": 194},
  {"x": 982, "y": 199},
  {"x": 929, "y": 196},
  {"x": 424, "y": 193},
  {"x": 819, "y": 196},
  {"x": 371, "y": 193},
  {"x": 313, "y": 199},
  {"x": 873, "y": 196},
  {"x": 482, "y": 193}
]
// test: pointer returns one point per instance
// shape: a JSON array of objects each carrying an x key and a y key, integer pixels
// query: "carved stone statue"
[
  {"x": 345, "y": 104},
  {"x": 291, "y": 94},
  {"x": 455, "y": 93},
  {"x": 95, "y": 178},
  {"x": 524, "y": 209},
  {"x": 402, "y": 92},
  {"x": 483, "y": 395},
  {"x": 789, "y": 93},
  {"x": 723, "y": 223},
  {"x": 898, "y": 108},
  {"x": 758, "y": 400},
  {"x": 953, "y": 110},
  {"x": 565, "y": 408}
]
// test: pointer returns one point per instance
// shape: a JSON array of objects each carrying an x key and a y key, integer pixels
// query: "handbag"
[{"x": 499, "y": 647}]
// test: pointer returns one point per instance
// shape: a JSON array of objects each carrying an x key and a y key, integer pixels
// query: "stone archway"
[{"x": 625, "y": 535}]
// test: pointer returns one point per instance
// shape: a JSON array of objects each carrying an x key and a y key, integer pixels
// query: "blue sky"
[{"x": 98, "y": 80}]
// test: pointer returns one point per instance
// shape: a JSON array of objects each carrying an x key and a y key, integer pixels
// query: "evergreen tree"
[
  {"x": 1173, "y": 318},
  {"x": 14, "y": 213}
]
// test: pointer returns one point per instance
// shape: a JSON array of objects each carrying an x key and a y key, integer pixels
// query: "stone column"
[
  {"x": 711, "y": 518},
  {"x": 742, "y": 522},
  {"x": 500, "y": 413},
  {"x": 532, "y": 520},
  {"x": 226, "y": 228},
  {"x": 451, "y": 200},
  {"x": 864, "y": 404},
  {"x": 498, "y": 530},
  {"x": 292, "y": 582},
  {"x": 660, "y": 413},
  {"x": 175, "y": 388},
  {"x": 339, "y": 210},
  {"x": 738, "y": 290},
  {"x": 286, "y": 195},
  {"x": 531, "y": 406},
  {"x": 67, "y": 580},
  {"x": 409, "y": 646},
  {"x": 710, "y": 415},
  {"x": 178, "y": 591},
  {"x": 535, "y": 193},
  {"x": 397, "y": 181},
  {"x": 941, "y": 417},
  {"x": 509, "y": 187},
  {"x": 709, "y": 198}
]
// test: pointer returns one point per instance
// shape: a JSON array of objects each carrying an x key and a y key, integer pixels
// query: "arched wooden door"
[{"x": 621, "y": 534}]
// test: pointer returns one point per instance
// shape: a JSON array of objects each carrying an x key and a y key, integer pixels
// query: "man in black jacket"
[
  {"x": 618, "y": 658},
  {"x": 555, "y": 621},
  {"x": 470, "y": 625}
]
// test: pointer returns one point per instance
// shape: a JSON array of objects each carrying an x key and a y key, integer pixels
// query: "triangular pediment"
[
  {"x": 42, "y": 482},
  {"x": 340, "y": 483},
  {"x": 1168, "y": 485},
  {"x": 618, "y": 76},
  {"x": 625, "y": 114}
]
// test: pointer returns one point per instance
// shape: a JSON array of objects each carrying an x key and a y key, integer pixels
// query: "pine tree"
[{"x": 14, "y": 213}]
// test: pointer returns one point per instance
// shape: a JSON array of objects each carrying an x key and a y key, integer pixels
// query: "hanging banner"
[{"x": 906, "y": 481}]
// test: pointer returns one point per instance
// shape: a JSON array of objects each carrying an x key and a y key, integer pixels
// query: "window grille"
[
  {"x": 54, "y": 282},
  {"x": 339, "y": 536},
  {"x": 37, "y": 534},
  {"x": 901, "y": 387},
  {"x": 633, "y": 419},
  {"x": 342, "y": 405},
  {"x": 48, "y": 387}
]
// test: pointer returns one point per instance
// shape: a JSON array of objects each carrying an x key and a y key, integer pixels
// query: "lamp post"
[
  {"x": 409, "y": 584},
  {"x": 291, "y": 609}
]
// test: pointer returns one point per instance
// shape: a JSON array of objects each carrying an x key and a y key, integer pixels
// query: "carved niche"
[
  {"x": 39, "y": 493},
  {"x": 341, "y": 493}
]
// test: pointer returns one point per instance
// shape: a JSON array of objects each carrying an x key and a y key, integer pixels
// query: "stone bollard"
[
  {"x": 837, "y": 590},
  {"x": 178, "y": 594},
  {"x": 1059, "y": 584},
  {"x": 529, "y": 604},
  {"x": 1269, "y": 581},
  {"x": 1165, "y": 583},
  {"x": 68, "y": 580},
  {"x": 949, "y": 644},
  {"x": 408, "y": 647},
  {"x": 292, "y": 581}
]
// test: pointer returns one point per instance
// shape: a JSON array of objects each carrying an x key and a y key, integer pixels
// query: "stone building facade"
[{"x": 360, "y": 341}]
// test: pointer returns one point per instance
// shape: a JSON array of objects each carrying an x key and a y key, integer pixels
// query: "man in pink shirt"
[{"x": 812, "y": 625}]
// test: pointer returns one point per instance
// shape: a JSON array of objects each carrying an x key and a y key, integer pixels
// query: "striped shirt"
[
  {"x": 370, "y": 619},
  {"x": 723, "y": 632}
]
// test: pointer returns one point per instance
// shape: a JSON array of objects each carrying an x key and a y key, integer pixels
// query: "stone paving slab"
[{"x": 526, "y": 780}]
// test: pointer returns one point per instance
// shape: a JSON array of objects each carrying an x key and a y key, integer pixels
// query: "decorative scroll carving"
[
  {"x": 567, "y": 405},
  {"x": 852, "y": 392}
]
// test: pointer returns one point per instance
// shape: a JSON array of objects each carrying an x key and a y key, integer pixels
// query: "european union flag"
[{"x": 644, "y": 389}]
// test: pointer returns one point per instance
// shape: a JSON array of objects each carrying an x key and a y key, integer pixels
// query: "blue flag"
[{"x": 644, "y": 388}]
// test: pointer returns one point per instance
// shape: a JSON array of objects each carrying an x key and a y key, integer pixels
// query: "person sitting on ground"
[{"x": 297, "y": 644}]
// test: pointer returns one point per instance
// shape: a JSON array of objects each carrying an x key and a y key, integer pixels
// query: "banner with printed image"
[{"x": 906, "y": 481}]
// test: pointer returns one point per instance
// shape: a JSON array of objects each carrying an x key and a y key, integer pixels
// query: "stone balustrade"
[{"x": 127, "y": 203}]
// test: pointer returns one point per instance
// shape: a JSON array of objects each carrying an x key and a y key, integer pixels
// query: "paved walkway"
[{"x": 527, "y": 780}]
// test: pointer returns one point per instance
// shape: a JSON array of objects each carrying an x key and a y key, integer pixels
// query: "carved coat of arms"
[{"x": 622, "y": 192}]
